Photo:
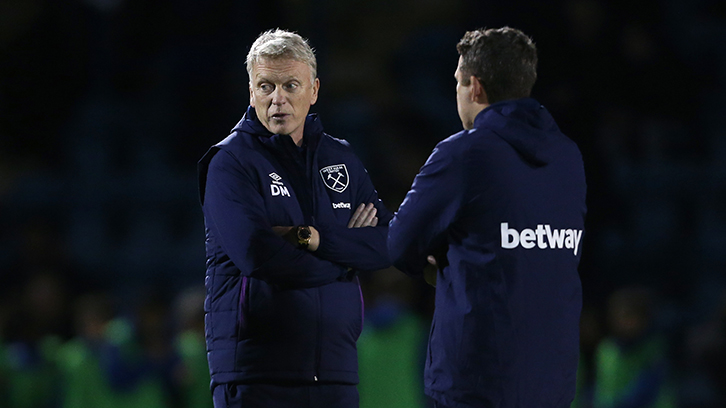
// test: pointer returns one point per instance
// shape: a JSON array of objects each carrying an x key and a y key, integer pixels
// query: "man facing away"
[
  {"x": 290, "y": 216},
  {"x": 499, "y": 208}
]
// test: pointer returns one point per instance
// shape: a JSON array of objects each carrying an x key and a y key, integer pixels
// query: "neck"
[
  {"x": 480, "y": 107},
  {"x": 476, "y": 110},
  {"x": 297, "y": 138}
]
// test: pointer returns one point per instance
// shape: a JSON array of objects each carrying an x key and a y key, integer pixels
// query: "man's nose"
[{"x": 278, "y": 96}]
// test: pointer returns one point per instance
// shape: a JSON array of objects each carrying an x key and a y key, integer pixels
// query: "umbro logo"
[{"x": 277, "y": 188}]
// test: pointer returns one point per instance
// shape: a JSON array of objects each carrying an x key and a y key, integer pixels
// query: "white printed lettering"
[
  {"x": 540, "y": 237},
  {"x": 279, "y": 190},
  {"x": 529, "y": 238},
  {"x": 554, "y": 237},
  {"x": 506, "y": 233},
  {"x": 569, "y": 239},
  {"x": 526, "y": 238},
  {"x": 578, "y": 236}
]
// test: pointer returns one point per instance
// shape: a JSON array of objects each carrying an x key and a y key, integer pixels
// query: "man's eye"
[
  {"x": 292, "y": 86},
  {"x": 267, "y": 88}
]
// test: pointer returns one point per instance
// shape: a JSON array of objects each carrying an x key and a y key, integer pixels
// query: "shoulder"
[
  {"x": 240, "y": 146},
  {"x": 468, "y": 138},
  {"x": 237, "y": 141},
  {"x": 335, "y": 143},
  {"x": 333, "y": 148},
  {"x": 457, "y": 145},
  {"x": 235, "y": 154},
  {"x": 476, "y": 144}
]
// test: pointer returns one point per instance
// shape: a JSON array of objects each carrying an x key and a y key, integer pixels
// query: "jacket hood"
[
  {"x": 250, "y": 124},
  {"x": 526, "y": 125}
]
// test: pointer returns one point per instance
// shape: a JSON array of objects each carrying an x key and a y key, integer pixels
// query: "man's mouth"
[{"x": 278, "y": 116}]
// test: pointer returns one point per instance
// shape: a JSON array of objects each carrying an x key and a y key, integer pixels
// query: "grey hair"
[{"x": 279, "y": 43}]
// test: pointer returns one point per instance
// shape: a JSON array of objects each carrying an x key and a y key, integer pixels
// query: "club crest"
[{"x": 335, "y": 177}]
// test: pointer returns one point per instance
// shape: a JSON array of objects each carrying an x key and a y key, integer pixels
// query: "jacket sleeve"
[
  {"x": 234, "y": 212},
  {"x": 362, "y": 249},
  {"x": 429, "y": 208}
]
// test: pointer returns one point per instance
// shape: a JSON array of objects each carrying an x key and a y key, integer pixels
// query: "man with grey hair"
[
  {"x": 291, "y": 217},
  {"x": 499, "y": 208}
]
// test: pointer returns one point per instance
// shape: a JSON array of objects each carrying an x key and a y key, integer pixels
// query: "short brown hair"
[{"x": 503, "y": 59}]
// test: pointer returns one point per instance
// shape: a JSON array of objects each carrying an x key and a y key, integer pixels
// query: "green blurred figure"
[
  {"x": 632, "y": 364},
  {"x": 109, "y": 364},
  {"x": 391, "y": 348},
  {"x": 4, "y": 367},
  {"x": 193, "y": 379},
  {"x": 36, "y": 324},
  {"x": 590, "y": 337},
  {"x": 29, "y": 376}
]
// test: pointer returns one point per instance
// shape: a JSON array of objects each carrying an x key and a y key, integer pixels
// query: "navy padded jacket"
[
  {"x": 505, "y": 201},
  {"x": 276, "y": 313}
]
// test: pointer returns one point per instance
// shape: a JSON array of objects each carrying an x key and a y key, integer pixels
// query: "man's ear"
[
  {"x": 316, "y": 88},
  {"x": 478, "y": 94}
]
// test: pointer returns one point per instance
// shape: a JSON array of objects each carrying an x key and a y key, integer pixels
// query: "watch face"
[{"x": 304, "y": 233}]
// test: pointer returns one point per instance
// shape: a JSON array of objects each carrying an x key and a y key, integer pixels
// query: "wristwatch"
[{"x": 304, "y": 235}]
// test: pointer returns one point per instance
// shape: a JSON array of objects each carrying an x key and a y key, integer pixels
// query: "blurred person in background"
[
  {"x": 392, "y": 347},
  {"x": 4, "y": 368},
  {"x": 291, "y": 215},
  {"x": 120, "y": 360},
  {"x": 193, "y": 376},
  {"x": 706, "y": 355},
  {"x": 591, "y": 334},
  {"x": 38, "y": 323},
  {"x": 84, "y": 381},
  {"x": 631, "y": 364},
  {"x": 500, "y": 209}
]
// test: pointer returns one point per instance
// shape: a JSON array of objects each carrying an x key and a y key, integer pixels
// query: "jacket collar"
[{"x": 249, "y": 123}]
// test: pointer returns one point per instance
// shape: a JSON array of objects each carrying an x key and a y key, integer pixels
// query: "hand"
[
  {"x": 289, "y": 234},
  {"x": 364, "y": 216},
  {"x": 430, "y": 271}
]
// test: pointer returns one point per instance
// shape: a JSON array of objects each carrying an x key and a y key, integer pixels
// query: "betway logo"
[
  {"x": 341, "y": 205},
  {"x": 543, "y": 237}
]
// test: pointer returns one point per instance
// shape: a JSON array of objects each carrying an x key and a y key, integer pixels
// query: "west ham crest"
[{"x": 335, "y": 177}]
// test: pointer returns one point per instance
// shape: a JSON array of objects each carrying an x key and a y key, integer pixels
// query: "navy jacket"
[
  {"x": 505, "y": 203},
  {"x": 275, "y": 312}
]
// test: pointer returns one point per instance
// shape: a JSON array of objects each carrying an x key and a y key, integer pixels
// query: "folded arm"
[
  {"x": 235, "y": 214},
  {"x": 418, "y": 228},
  {"x": 361, "y": 244}
]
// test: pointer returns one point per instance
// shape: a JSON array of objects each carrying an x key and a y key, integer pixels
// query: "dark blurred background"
[{"x": 106, "y": 105}]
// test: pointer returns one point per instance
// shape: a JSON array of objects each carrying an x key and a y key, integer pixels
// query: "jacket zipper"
[
  {"x": 311, "y": 173},
  {"x": 318, "y": 341},
  {"x": 311, "y": 167}
]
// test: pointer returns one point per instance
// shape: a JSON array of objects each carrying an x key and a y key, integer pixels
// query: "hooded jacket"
[
  {"x": 273, "y": 312},
  {"x": 505, "y": 203}
]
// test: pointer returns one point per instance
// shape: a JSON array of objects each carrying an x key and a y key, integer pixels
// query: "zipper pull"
[{"x": 315, "y": 377}]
